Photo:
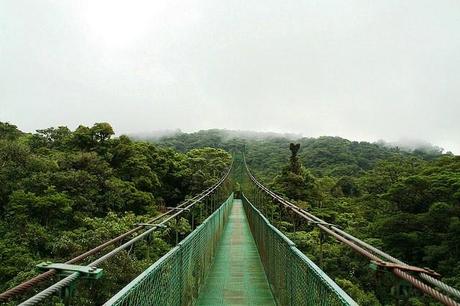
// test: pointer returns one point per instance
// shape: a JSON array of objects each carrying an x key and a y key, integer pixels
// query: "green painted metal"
[
  {"x": 293, "y": 277},
  {"x": 176, "y": 278},
  {"x": 237, "y": 276},
  {"x": 85, "y": 271},
  {"x": 221, "y": 263}
]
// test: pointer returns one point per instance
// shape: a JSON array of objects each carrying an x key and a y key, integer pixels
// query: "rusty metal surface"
[
  {"x": 27, "y": 285},
  {"x": 356, "y": 244}
]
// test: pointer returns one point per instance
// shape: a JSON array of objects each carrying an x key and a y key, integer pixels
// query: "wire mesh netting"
[
  {"x": 293, "y": 277},
  {"x": 176, "y": 278},
  {"x": 237, "y": 276}
]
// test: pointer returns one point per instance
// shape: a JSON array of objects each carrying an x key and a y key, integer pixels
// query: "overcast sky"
[{"x": 363, "y": 70}]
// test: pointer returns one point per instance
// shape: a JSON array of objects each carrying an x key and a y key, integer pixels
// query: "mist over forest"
[
  {"x": 134, "y": 135},
  {"x": 64, "y": 191},
  {"x": 224, "y": 135}
]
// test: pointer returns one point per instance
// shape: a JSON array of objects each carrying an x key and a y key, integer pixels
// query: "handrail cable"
[
  {"x": 21, "y": 288},
  {"x": 357, "y": 245},
  {"x": 67, "y": 280}
]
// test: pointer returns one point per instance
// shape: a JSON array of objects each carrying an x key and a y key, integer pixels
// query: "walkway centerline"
[{"x": 237, "y": 276}]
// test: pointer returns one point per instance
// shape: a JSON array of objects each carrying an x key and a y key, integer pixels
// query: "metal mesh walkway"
[
  {"x": 175, "y": 279},
  {"x": 235, "y": 257},
  {"x": 237, "y": 276}
]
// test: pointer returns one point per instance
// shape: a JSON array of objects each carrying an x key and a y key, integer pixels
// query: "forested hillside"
[
  {"x": 406, "y": 203},
  {"x": 333, "y": 156},
  {"x": 63, "y": 192}
]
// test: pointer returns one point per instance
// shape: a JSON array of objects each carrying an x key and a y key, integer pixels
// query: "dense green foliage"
[
  {"x": 406, "y": 203},
  {"x": 331, "y": 156},
  {"x": 406, "y": 206},
  {"x": 63, "y": 192}
]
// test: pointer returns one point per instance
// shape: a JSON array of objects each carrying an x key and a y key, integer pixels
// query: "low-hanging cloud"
[{"x": 364, "y": 70}]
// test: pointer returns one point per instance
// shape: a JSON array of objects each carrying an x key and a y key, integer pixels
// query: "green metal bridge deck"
[
  {"x": 235, "y": 257},
  {"x": 237, "y": 276}
]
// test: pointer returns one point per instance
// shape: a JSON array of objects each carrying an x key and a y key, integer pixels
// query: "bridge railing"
[
  {"x": 385, "y": 261},
  {"x": 208, "y": 199},
  {"x": 293, "y": 277},
  {"x": 176, "y": 278}
]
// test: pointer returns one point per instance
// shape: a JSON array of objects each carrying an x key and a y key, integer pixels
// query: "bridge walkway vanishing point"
[
  {"x": 237, "y": 276},
  {"x": 235, "y": 257}
]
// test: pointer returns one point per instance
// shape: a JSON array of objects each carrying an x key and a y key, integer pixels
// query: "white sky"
[{"x": 363, "y": 70}]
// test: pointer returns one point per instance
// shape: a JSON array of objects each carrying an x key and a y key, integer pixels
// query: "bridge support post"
[
  {"x": 321, "y": 239},
  {"x": 293, "y": 221},
  {"x": 181, "y": 267},
  {"x": 177, "y": 229},
  {"x": 192, "y": 219},
  {"x": 67, "y": 293}
]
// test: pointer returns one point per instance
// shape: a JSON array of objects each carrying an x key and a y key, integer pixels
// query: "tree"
[
  {"x": 102, "y": 131},
  {"x": 51, "y": 209},
  {"x": 52, "y": 137},
  {"x": 9, "y": 131},
  {"x": 63, "y": 192},
  {"x": 411, "y": 195},
  {"x": 295, "y": 181},
  {"x": 82, "y": 138}
]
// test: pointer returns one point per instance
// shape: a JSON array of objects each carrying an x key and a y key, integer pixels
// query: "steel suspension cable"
[
  {"x": 69, "y": 279},
  {"x": 66, "y": 281},
  {"x": 21, "y": 288},
  {"x": 423, "y": 275},
  {"x": 357, "y": 245}
]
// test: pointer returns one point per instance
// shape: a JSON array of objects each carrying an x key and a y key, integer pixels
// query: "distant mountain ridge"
[
  {"x": 228, "y": 134},
  {"x": 224, "y": 135}
]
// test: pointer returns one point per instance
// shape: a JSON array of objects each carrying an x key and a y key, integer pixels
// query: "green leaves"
[
  {"x": 50, "y": 209},
  {"x": 9, "y": 131},
  {"x": 63, "y": 192},
  {"x": 204, "y": 167},
  {"x": 405, "y": 204},
  {"x": 360, "y": 296},
  {"x": 301, "y": 186},
  {"x": 102, "y": 132},
  {"x": 86, "y": 138}
]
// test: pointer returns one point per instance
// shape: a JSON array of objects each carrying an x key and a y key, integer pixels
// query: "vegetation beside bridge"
[
  {"x": 63, "y": 192},
  {"x": 404, "y": 202}
]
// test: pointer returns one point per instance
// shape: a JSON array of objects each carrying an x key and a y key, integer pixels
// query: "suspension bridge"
[{"x": 234, "y": 255}]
